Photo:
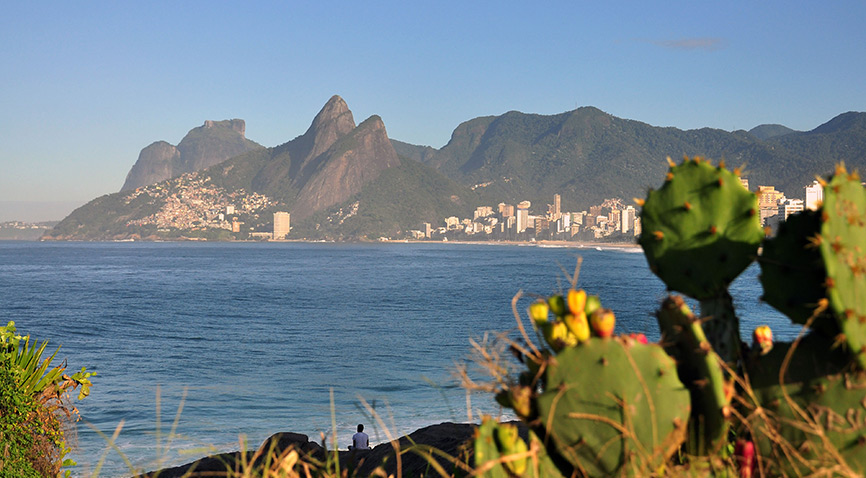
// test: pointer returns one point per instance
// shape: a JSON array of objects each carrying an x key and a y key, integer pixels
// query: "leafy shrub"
[{"x": 35, "y": 407}]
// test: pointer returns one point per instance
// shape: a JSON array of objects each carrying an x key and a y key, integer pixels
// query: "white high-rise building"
[
  {"x": 627, "y": 218},
  {"x": 523, "y": 216},
  {"x": 814, "y": 196},
  {"x": 789, "y": 207},
  {"x": 282, "y": 224}
]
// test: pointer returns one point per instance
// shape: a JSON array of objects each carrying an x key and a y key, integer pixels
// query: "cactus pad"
[
  {"x": 612, "y": 406},
  {"x": 821, "y": 423},
  {"x": 498, "y": 447},
  {"x": 793, "y": 273},
  {"x": 700, "y": 370},
  {"x": 701, "y": 229},
  {"x": 843, "y": 247}
]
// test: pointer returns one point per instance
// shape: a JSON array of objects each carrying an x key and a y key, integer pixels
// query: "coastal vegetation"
[{"x": 35, "y": 407}]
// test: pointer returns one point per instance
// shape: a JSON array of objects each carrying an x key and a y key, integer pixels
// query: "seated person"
[{"x": 360, "y": 440}]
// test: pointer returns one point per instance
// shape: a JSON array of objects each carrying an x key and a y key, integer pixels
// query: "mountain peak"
[
  {"x": 335, "y": 108},
  {"x": 846, "y": 121},
  {"x": 767, "y": 131},
  {"x": 237, "y": 125},
  {"x": 334, "y": 121},
  {"x": 353, "y": 161}
]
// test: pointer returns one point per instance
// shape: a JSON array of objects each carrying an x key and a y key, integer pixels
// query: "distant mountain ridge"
[
  {"x": 209, "y": 144},
  {"x": 353, "y": 181},
  {"x": 588, "y": 155}
]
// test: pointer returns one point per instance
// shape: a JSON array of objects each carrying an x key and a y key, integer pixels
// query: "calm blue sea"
[{"x": 249, "y": 339}]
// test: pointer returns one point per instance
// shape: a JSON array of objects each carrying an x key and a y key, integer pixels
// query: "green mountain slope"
[
  {"x": 401, "y": 199},
  {"x": 588, "y": 155}
]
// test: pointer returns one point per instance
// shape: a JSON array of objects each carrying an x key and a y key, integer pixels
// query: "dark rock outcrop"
[
  {"x": 202, "y": 147},
  {"x": 450, "y": 438}
]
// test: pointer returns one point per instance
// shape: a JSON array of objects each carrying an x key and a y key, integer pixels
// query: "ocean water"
[{"x": 247, "y": 340}]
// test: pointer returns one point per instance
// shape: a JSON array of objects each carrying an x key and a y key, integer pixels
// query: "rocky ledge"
[{"x": 450, "y": 438}]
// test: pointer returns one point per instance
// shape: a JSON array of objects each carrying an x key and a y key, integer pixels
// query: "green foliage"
[
  {"x": 587, "y": 155},
  {"x": 17, "y": 448},
  {"x": 700, "y": 231},
  {"x": 399, "y": 200},
  {"x": 34, "y": 403},
  {"x": 105, "y": 217},
  {"x": 802, "y": 402}
]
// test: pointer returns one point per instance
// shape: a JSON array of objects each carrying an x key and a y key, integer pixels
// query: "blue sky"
[{"x": 87, "y": 85}]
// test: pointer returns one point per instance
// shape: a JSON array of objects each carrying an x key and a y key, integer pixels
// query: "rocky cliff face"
[
  {"x": 331, "y": 162},
  {"x": 155, "y": 163},
  {"x": 332, "y": 123},
  {"x": 202, "y": 147},
  {"x": 346, "y": 167}
]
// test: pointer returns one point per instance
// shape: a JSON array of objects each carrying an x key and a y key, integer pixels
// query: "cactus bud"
[
  {"x": 557, "y": 336},
  {"x": 576, "y": 301},
  {"x": 511, "y": 444},
  {"x": 639, "y": 338},
  {"x": 744, "y": 451},
  {"x": 762, "y": 339},
  {"x": 603, "y": 321},
  {"x": 592, "y": 304},
  {"x": 578, "y": 325},
  {"x": 557, "y": 305},
  {"x": 538, "y": 311}
]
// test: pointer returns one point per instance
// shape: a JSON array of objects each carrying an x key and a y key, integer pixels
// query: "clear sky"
[{"x": 87, "y": 85}]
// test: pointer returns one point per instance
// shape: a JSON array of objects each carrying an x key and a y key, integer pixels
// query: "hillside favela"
[{"x": 433, "y": 239}]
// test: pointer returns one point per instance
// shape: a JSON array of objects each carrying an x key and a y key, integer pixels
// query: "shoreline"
[{"x": 542, "y": 243}]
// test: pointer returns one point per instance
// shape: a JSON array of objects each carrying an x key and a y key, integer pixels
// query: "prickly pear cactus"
[
  {"x": 700, "y": 370},
  {"x": 701, "y": 229},
  {"x": 814, "y": 420},
  {"x": 612, "y": 407},
  {"x": 843, "y": 247},
  {"x": 793, "y": 275},
  {"x": 500, "y": 452}
]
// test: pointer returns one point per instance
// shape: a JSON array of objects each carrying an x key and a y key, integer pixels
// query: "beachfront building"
[
  {"x": 814, "y": 196},
  {"x": 523, "y": 216},
  {"x": 628, "y": 215},
  {"x": 768, "y": 202},
  {"x": 282, "y": 224},
  {"x": 791, "y": 206}
]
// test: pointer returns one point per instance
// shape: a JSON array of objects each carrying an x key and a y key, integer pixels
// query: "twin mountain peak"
[{"x": 327, "y": 165}]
